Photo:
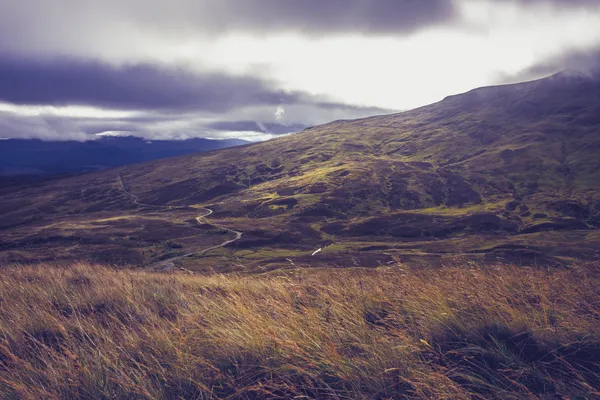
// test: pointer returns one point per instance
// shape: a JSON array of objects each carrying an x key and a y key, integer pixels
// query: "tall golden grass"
[{"x": 464, "y": 332}]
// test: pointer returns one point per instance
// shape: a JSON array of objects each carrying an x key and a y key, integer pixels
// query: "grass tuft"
[{"x": 470, "y": 332}]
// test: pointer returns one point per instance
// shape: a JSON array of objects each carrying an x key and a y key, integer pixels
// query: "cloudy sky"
[{"x": 255, "y": 69}]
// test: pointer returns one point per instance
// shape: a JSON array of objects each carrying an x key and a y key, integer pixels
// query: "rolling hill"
[{"x": 498, "y": 173}]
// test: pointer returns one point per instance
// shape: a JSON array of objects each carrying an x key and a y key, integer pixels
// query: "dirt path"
[{"x": 169, "y": 263}]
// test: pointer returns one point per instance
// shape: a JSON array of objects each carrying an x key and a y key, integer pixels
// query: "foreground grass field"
[{"x": 463, "y": 332}]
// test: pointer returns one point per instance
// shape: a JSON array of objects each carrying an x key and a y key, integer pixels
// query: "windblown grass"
[{"x": 500, "y": 332}]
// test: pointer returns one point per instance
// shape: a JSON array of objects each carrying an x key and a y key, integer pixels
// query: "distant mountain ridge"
[{"x": 37, "y": 157}]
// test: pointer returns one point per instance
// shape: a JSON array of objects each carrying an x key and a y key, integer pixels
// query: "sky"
[{"x": 257, "y": 69}]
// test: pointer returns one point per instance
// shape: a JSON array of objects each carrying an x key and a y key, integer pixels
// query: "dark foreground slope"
[
  {"x": 87, "y": 332},
  {"x": 509, "y": 172}
]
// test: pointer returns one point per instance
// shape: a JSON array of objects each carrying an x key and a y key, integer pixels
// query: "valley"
[
  {"x": 168, "y": 263},
  {"x": 498, "y": 174}
]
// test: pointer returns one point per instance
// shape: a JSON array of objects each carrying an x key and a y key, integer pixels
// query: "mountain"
[
  {"x": 37, "y": 157},
  {"x": 498, "y": 173}
]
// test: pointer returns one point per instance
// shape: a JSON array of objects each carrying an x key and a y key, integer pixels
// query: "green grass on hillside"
[
  {"x": 465, "y": 332},
  {"x": 503, "y": 162}
]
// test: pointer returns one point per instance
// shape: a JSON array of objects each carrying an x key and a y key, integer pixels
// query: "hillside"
[
  {"x": 466, "y": 332},
  {"x": 499, "y": 173}
]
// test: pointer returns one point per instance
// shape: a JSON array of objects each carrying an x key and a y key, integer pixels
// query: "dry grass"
[{"x": 455, "y": 333}]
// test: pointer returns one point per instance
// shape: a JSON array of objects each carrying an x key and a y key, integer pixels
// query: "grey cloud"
[
  {"x": 556, "y": 4},
  {"x": 559, "y": 3},
  {"x": 66, "y": 81},
  {"x": 246, "y": 122},
  {"x": 354, "y": 108},
  {"x": 37, "y": 22},
  {"x": 326, "y": 16},
  {"x": 141, "y": 86},
  {"x": 94, "y": 27},
  {"x": 580, "y": 61},
  {"x": 256, "y": 126},
  {"x": 39, "y": 127}
]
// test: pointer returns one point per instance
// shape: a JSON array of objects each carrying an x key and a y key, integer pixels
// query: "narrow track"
[{"x": 168, "y": 264}]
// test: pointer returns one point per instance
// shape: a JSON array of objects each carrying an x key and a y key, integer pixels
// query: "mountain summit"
[{"x": 503, "y": 172}]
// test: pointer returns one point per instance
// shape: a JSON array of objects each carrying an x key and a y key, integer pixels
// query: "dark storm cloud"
[
  {"x": 26, "y": 21},
  {"x": 328, "y": 16},
  {"x": 88, "y": 26},
  {"x": 141, "y": 86}
]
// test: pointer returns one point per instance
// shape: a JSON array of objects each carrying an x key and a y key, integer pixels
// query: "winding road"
[{"x": 168, "y": 264}]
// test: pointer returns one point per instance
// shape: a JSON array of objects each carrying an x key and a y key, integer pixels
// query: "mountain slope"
[{"x": 499, "y": 172}]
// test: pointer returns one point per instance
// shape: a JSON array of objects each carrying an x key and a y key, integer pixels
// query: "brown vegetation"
[{"x": 462, "y": 332}]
